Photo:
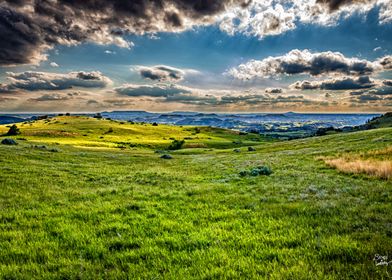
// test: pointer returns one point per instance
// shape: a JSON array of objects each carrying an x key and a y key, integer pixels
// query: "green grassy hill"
[
  {"x": 384, "y": 120},
  {"x": 89, "y": 132},
  {"x": 89, "y": 211}
]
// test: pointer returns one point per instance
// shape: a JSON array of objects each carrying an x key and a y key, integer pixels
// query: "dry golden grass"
[
  {"x": 381, "y": 169},
  {"x": 383, "y": 152}
]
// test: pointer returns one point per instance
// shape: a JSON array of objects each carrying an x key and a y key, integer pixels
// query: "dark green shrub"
[
  {"x": 176, "y": 144},
  {"x": 261, "y": 170},
  {"x": 166, "y": 156},
  {"x": 14, "y": 130},
  {"x": 8, "y": 141},
  {"x": 257, "y": 171}
]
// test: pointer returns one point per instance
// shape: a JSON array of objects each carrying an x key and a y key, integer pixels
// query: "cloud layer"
[
  {"x": 28, "y": 28},
  {"x": 342, "y": 83},
  {"x": 271, "y": 17},
  {"x": 161, "y": 73},
  {"x": 34, "y": 81},
  {"x": 305, "y": 62},
  {"x": 157, "y": 90}
]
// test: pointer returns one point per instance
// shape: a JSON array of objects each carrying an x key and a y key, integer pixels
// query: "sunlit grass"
[
  {"x": 382, "y": 169},
  {"x": 89, "y": 132},
  {"x": 372, "y": 162}
]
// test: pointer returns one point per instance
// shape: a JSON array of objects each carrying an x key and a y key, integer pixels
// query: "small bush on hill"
[
  {"x": 44, "y": 117},
  {"x": 327, "y": 130},
  {"x": 14, "y": 130},
  {"x": 8, "y": 141},
  {"x": 257, "y": 171},
  {"x": 176, "y": 144},
  {"x": 110, "y": 130},
  {"x": 166, "y": 156}
]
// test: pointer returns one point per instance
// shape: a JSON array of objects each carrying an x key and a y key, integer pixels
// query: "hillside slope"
[
  {"x": 115, "y": 214},
  {"x": 90, "y": 132},
  {"x": 378, "y": 122}
]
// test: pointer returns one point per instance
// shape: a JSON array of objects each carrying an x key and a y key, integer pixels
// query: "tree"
[{"x": 14, "y": 130}]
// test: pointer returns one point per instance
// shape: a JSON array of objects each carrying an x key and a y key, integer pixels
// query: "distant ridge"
[
  {"x": 276, "y": 115},
  {"x": 127, "y": 112},
  {"x": 10, "y": 119}
]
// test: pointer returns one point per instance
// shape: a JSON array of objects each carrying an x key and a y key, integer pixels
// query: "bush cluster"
[
  {"x": 176, "y": 144},
  {"x": 257, "y": 171}
]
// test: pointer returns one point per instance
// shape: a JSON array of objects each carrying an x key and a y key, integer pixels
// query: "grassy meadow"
[{"x": 91, "y": 199}]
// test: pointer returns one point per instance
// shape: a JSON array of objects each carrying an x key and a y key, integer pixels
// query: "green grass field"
[{"x": 111, "y": 208}]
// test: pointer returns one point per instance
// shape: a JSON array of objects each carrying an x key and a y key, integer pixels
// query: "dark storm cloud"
[
  {"x": 21, "y": 38},
  {"x": 383, "y": 91},
  {"x": 347, "y": 83},
  {"x": 369, "y": 97},
  {"x": 29, "y": 27},
  {"x": 344, "y": 83},
  {"x": 158, "y": 90},
  {"x": 387, "y": 82},
  {"x": 274, "y": 90},
  {"x": 161, "y": 73},
  {"x": 305, "y": 85},
  {"x": 386, "y": 62},
  {"x": 334, "y": 5},
  {"x": 34, "y": 81}
]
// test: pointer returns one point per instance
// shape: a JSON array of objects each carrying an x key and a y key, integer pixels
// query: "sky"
[{"x": 196, "y": 55}]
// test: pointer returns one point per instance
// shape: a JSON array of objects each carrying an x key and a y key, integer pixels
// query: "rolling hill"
[
  {"x": 89, "y": 132},
  {"x": 382, "y": 121},
  {"x": 78, "y": 207}
]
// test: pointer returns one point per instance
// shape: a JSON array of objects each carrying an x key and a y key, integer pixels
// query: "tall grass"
[
  {"x": 381, "y": 169},
  {"x": 383, "y": 152}
]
